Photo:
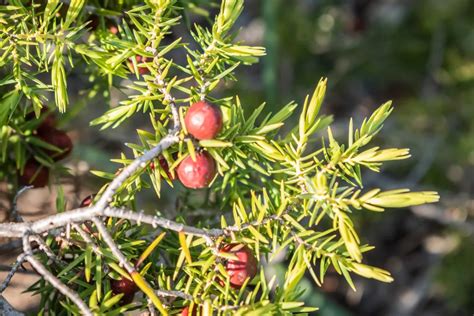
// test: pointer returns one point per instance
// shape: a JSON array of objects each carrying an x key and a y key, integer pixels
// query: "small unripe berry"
[
  {"x": 111, "y": 26},
  {"x": 203, "y": 120},
  {"x": 34, "y": 174},
  {"x": 243, "y": 268},
  {"x": 197, "y": 174},
  {"x": 126, "y": 287},
  {"x": 59, "y": 139},
  {"x": 87, "y": 201},
  {"x": 113, "y": 29}
]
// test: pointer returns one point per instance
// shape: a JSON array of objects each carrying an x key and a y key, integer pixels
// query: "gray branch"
[
  {"x": 54, "y": 281},
  {"x": 19, "y": 260},
  {"x": 164, "y": 293},
  {"x": 14, "y": 216},
  {"x": 87, "y": 239},
  {"x": 6, "y": 309},
  {"x": 123, "y": 262}
]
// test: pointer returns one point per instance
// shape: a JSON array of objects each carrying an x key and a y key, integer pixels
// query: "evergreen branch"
[
  {"x": 87, "y": 239},
  {"x": 165, "y": 293},
  {"x": 256, "y": 223},
  {"x": 137, "y": 278},
  {"x": 45, "y": 248},
  {"x": 160, "y": 81},
  {"x": 54, "y": 281},
  {"x": 305, "y": 191},
  {"x": 128, "y": 171},
  {"x": 156, "y": 221},
  {"x": 123, "y": 262},
  {"x": 25, "y": 230}
]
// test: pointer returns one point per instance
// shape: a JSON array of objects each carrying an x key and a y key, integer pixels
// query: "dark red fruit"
[
  {"x": 93, "y": 22},
  {"x": 48, "y": 120},
  {"x": 164, "y": 166},
  {"x": 142, "y": 70},
  {"x": 126, "y": 287},
  {"x": 34, "y": 174},
  {"x": 197, "y": 174},
  {"x": 58, "y": 139},
  {"x": 87, "y": 200},
  {"x": 203, "y": 120},
  {"x": 242, "y": 269}
]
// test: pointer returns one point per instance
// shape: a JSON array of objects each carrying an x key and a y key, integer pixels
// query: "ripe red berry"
[
  {"x": 203, "y": 120},
  {"x": 186, "y": 311},
  {"x": 245, "y": 267},
  {"x": 142, "y": 70},
  {"x": 87, "y": 201},
  {"x": 34, "y": 174},
  {"x": 197, "y": 174},
  {"x": 126, "y": 287},
  {"x": 58, "y": 139}
]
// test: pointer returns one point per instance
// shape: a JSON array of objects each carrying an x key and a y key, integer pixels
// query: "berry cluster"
[
  {"x": 34, "y": 173},
  {"x": 203, "y": 121}
]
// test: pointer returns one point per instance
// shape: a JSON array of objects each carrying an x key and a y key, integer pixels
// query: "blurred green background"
[{"x": 420, "y": 54}]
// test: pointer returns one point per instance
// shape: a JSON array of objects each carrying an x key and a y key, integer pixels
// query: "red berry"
[
  {"x": 58, "y": 139},
  {"x": 245, "y": 267},
  {"x": 126, "y": 287},
  {"x": 186, "y": 311},
  {"x": 34, "y": 174},
  {"x": 197, "y": 174},
  {"x": 203, "y": 120},
  {"x": 142, "y": 70},
  {"x": 87, "y": 201},
  {"x": 113, "y": 29}
]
